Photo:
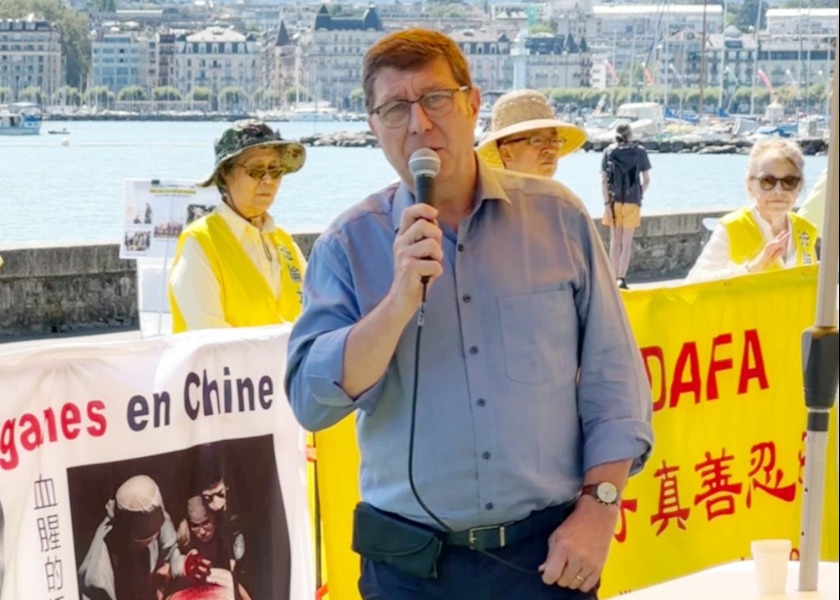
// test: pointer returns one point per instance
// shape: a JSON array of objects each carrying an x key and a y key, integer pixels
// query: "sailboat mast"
[{"x": 702, "y": 61}]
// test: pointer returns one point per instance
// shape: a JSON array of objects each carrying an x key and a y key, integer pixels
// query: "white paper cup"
[{"x": 771, "y": 565}]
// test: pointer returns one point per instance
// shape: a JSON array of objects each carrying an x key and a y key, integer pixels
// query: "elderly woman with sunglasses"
[
  {"x": 766, "y": 235},
  {"x": 235, "y": 267}
]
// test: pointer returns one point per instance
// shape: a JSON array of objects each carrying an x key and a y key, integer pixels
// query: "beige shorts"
[{"x": 627, "y": 216}]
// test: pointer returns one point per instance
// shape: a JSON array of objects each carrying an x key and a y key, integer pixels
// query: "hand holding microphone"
[{"x": 417, "y": 248}]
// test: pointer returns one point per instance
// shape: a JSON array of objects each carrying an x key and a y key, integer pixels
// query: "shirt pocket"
[{"x": 539, "y": 334}]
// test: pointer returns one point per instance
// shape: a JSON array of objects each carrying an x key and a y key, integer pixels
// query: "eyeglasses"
[
  {"x": 259, "y": 172},
  {"x": 438, "y": 103},
  {"x": 768, "y": 182},
  {"x": 537, "y": 141}
]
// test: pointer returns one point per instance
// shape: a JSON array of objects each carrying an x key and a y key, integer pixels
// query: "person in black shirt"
[{"x": 625, "y": 176}]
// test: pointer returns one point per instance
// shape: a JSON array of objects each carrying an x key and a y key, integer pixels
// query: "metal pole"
[
  {"x": 821, "y": 348},
  {"x": 722, "y": 56},
  {"x": 702, "y": 63},
  {"x": 755, "y": 60}
]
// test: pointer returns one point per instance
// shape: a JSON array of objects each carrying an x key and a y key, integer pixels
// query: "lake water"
[{"x": 52, "y": 192}]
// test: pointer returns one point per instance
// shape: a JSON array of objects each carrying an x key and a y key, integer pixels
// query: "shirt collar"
[
  {"x": 487, "y": 187},
  {"x": 239, "y": 226}
]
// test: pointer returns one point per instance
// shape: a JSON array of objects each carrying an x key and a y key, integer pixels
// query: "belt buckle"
[{"x": 473, "y": 530}]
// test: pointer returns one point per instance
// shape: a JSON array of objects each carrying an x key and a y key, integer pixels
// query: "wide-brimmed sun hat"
[
  {"x": 526, "y": 110},
  {"x": 253, "y": 133}
]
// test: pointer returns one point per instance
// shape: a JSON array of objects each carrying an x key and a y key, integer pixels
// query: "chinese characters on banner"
[{"x": 48, "y": 533}]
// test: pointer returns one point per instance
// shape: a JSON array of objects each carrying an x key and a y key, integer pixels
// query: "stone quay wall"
[{"x": 86, "y": 288}]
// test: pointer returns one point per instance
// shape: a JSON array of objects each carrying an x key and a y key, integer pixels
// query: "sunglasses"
[
  {"x": 768, "y": 182},
  {"x": 259, "y": 172}
]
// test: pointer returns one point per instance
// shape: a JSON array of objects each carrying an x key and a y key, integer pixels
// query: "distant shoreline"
[{"x": 214, "y": 117}]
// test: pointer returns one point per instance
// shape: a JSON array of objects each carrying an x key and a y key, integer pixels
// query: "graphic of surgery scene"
[{"x": 187, "y": 525}]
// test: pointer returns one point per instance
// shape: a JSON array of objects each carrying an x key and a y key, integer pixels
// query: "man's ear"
[{"x": 475, "y": 101}]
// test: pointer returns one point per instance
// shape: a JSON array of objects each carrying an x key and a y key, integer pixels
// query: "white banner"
[{"x": 167, "y": 468}]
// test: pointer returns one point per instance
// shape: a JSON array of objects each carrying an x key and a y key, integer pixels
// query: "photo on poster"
[
  {"x": 196, "y": 211},
  {"x": 169, "y": 229},
  {"x": 137, "y": 241},
  {"x": 161, "y": 209},
  {"x": 205, "y": 523}
]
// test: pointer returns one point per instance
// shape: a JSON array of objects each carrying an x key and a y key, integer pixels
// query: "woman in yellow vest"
[
  {"x": 235, "y": 267},
  {"x": 766, "y": 234}
]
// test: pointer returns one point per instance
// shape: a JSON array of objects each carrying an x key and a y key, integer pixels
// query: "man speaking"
[{"x": 499, "y": 394}]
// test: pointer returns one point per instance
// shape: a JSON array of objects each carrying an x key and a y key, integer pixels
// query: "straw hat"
[
  {"x": 526, "y": 110},
  {"x": 253, "y": 133}
]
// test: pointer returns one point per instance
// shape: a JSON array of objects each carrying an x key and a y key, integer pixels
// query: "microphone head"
[{"x": 424, "y": 162}]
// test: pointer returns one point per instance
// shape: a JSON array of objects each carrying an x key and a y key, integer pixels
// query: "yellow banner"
[
  {"x": 725, "y": 365},
  {"x": 724, "y": 360}
]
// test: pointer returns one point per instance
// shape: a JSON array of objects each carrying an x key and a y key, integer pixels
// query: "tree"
[
  {"x": 99, "y": 95},
  {"x": 132, "y": 93},
  {"x": 31, "y": 94},
  {"x": 233, "y": 98},
  {"x": 748, "y": 13},
  {"x": 357, "y": 100},
  {"x": 71, "y": 24},
  {"x": 67, "y": 95},
  {"x": 542, "y": 27},
  {"x": 5, "y": 94},
  {"x": 166, "y": 93},
  {"x": 265, "y": 98},
  {"x": 107, "y": 6},
  {"x": 201, "y": 93},
  {"x": 293, "y": 94}
]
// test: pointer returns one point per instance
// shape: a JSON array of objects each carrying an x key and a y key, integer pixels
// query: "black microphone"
[{"x": 424, "y": 165}]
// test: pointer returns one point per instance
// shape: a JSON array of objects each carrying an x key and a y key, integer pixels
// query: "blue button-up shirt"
[{"x": 529, "y": 373}]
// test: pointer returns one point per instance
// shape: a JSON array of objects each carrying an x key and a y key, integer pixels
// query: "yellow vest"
[
  {"x": 746, "y": 240},
  {"x": 247, "y": 298}
]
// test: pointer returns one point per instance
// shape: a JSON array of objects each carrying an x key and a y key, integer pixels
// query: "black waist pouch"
[{"x": 382, "y": 537}]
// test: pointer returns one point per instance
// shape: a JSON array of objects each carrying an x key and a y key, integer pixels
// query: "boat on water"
[
  {"x": 58, "y": 131},
  {"x": 312, "y": 111},
  {"x": 21, "y": 118}
]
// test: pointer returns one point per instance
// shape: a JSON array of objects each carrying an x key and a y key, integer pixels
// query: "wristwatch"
[{"x": 605, "y": 492}]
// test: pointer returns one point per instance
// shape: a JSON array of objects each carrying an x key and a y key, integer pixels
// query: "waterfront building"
[
  {"x": 216, "y": 58},
  {"x": 166, "y": 60},
  {"x": 120, "y": 59},
  {"x": 798, "y": 45},
  {"x": 325, "y": 60},
  {"x": 30, "y": 56},
  {"x": 489, "y": 55},
  {"x": 629, "y": 33},
  {"x": 271, "y": 61}
]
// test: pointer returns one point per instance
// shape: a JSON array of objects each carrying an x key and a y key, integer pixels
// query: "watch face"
[{"x": 607, "y": 493}]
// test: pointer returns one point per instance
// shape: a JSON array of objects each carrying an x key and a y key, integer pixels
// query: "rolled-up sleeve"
[
  {"x": 613, "y": 391},
  {"x": 315, "y": 367}
]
